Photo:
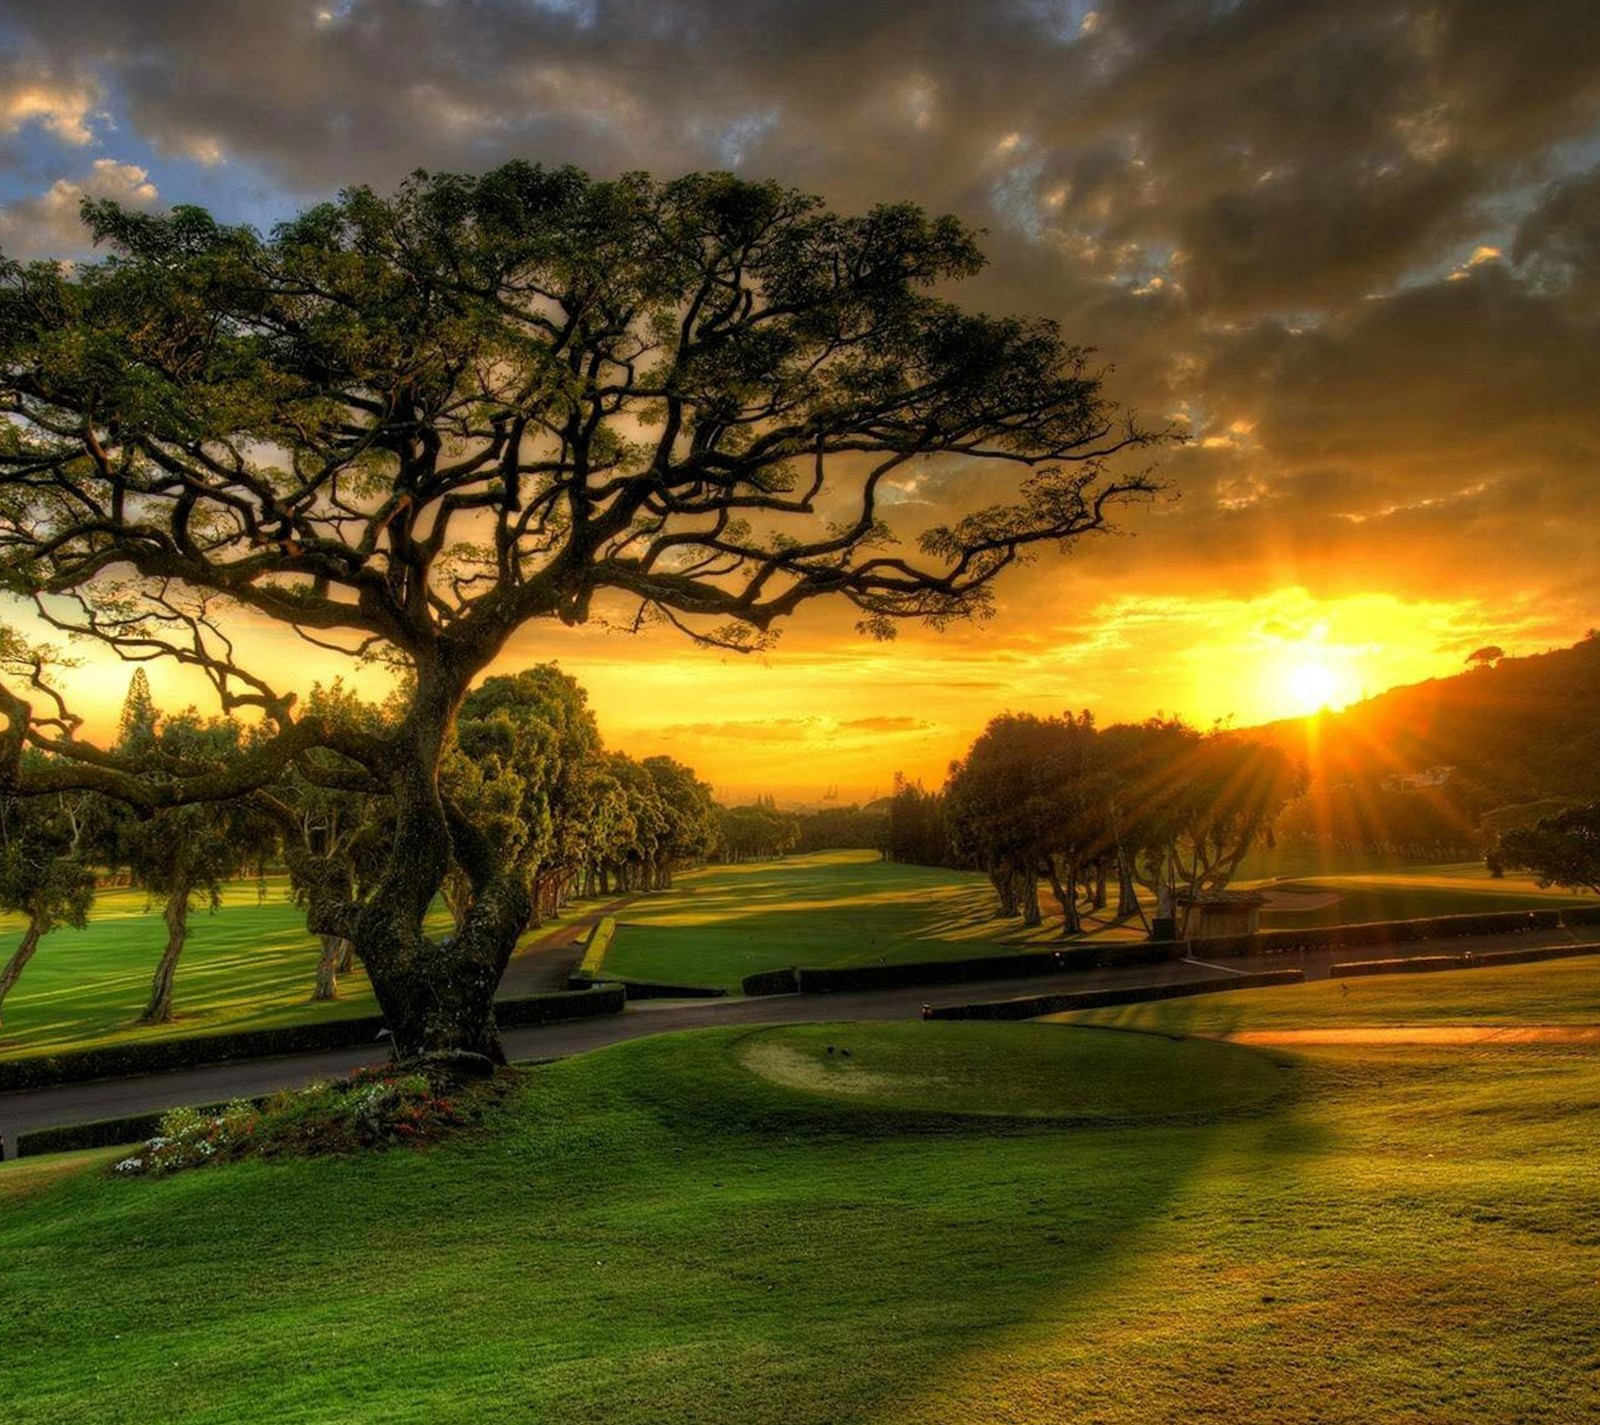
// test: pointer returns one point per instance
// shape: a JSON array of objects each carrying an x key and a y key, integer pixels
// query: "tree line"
[
  {"x": 1155, "y": 807},
  {"x": 526, "y": 763}
]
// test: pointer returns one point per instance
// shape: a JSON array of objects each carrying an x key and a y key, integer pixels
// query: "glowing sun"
[{"x": 1313, "y": 686}]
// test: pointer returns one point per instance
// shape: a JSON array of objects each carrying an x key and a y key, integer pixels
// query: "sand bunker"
[{"x": 1424, "y": 1034}]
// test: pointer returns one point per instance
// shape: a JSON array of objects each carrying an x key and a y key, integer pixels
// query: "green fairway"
[
  {"x": 251, "y": 965},
  {"x": 851, "y": 908},
  {"x": 1403, "y": 893},
  {"x": 829, "y": 908},
  {"x": 1546, "y": 992},
  {"x": 658, "y": 1232}
]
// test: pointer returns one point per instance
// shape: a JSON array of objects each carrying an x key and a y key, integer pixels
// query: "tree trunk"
[
  {"x": 19, "y": 960},
  {"x": 1127, "y": 894},
  {"x": 1100, "y": 896},
  {"x": 328, "y": 968},
  {"x": 437, "y": 996},
  {"x": 1005, "y": 890},
  {"x": 1031, "y": 914},
  {"x": 176, "y": 915},
  {"x": 1065, "y": 890}
]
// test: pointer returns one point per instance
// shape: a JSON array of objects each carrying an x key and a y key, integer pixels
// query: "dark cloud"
[{"x": 1265, "y": 213}]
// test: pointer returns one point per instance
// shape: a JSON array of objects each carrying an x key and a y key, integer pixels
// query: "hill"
[{"x": 1423, "y": 766}]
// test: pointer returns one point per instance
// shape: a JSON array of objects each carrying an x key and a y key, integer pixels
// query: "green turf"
[
  {"x": 1545, "y": 992},
  {"x": 653, "y": 1233},
  {"x": 830, "y": 908},
  {"x": 951, "y": 1068},
  {"x": 1409, "y": 892},
  {"x": 851, "y": 908},
  {"x": 251, "y": 965}
]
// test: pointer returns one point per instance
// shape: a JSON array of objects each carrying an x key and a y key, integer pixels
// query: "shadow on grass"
[{"x": 646, "y": 1233}]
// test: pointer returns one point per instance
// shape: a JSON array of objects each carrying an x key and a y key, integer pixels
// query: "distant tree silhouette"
[
  {"x": 1485, "y": 657},
  {"x": 1561, "y": 850}
]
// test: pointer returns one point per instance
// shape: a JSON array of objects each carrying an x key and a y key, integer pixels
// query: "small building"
[{"x": 1214, "y": 913}]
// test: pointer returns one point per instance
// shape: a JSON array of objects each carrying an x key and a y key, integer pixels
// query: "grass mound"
[{"x": 1013, "y": 1070}]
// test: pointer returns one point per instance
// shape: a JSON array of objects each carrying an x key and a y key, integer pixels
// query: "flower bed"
[{"x": 373, "y": 1108}]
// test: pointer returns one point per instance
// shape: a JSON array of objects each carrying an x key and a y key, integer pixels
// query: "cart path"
[{"x": 544, "y": 960}]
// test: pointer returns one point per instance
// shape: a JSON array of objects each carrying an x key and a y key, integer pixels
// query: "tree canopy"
[{"x": 407, "y": 425}]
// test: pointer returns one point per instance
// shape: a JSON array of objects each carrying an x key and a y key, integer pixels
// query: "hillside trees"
[
  {"x": 1561, "y": 850},
  {"x": 187, "y": 851},
  {"x": 407, "y": 426}
]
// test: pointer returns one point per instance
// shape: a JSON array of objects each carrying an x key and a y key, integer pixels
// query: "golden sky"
[{"x": 1350, "y": 247}]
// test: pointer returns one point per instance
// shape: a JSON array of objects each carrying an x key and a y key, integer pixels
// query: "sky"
[{"x": 1350, "y": 247}]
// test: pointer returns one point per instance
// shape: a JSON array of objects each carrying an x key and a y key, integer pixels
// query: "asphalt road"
[{"x": 80, "y": 1103}]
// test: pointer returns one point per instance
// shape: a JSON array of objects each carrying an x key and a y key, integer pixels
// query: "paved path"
[
  {"x": 543, "y": 962},
  {"x": 79, "y": 1103}
]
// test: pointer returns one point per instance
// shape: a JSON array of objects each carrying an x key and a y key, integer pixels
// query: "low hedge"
[
  {"x": 1468, "y": 960},
  {"x": 651, "y": 989},
  {"x": 1540, "y": 952},
  {"x": 1376, "y": 932},
  {"x": 594, "y": 953},
  {"x": 98, "y": 1133},
  {"x": 1032, "y": 1006},
  {"x": 1403, "y": 965},
  {"x": 1581, "y": 915},
  {"x": 159, "y": 1056},
  {"x": 1067, "y": 960},
  {"x": 771, "y": 982},
  {"x": 559, "y": 1007}
]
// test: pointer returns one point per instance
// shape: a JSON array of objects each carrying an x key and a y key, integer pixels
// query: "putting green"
[{"x": 1015, "y": 1070}]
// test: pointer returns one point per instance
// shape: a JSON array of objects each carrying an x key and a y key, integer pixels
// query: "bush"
[
  {"x": 599, "y": 942},
  {"x": 1069, "y": 959},
  {"x": 771, "y": 982},
  {"x": 373, "y": 1108}
]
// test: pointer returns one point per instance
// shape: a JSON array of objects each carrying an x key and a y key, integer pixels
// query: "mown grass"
[
  {"x": 1406, "y": 894},
  {"x": 829, "y": 908},
  {"x": 655, "y": 1233},
  {"x": 250, "y": 965},
  {"x": 1546, "y": 992},
  {"x": 851, "y": 908}
]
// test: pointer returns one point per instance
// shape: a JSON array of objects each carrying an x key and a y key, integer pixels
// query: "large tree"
[{"x": 407, "y": 426}]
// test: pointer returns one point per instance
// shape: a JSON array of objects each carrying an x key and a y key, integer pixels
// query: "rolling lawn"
[
  {"x": 954, "y": 1223},
  {"x": 829, "y": 908},
  {"x": 850, "y": 908},
  {"x": 251, "y": 965}
]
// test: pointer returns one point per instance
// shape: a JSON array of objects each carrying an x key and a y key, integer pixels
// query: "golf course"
[
  {"x": 251, "y": 964},
  {"x": 1121, "y": 1217}
]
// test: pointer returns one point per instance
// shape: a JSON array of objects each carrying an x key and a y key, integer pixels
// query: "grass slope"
[{"x": 656, "y": 1233}]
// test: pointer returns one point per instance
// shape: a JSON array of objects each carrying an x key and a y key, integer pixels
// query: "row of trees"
[
  {"x": 527, "y": 764},
  {"x": 1156, "y": 805}
]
